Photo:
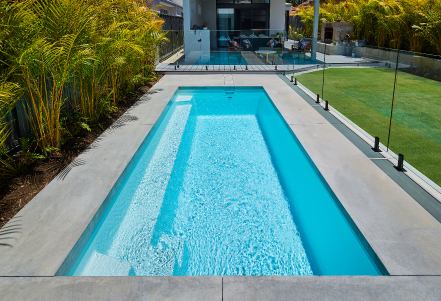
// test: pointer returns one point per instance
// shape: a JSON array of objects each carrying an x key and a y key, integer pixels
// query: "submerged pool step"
[{"x": 104, "y": 265}]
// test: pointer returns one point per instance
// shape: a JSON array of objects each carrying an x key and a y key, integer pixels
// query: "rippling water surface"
[{"x": 222, "y": 188}]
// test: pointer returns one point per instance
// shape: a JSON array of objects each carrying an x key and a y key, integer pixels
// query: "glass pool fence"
[
  {"x": 390, "y": 94},
  {"x": 235, "y": 48}
]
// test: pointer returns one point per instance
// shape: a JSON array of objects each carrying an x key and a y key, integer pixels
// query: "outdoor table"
[{"x": 267, "y": 52}]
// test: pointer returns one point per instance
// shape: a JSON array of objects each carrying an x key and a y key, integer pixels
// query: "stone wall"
[
  {"x": 338, "y": 49},
  {"x": 339, "y": 30},
  {"x": 407, "y": 61}
]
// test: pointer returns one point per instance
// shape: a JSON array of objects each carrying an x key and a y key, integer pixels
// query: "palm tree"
[
  {"x": 430, "y": 27},
  {"x": 411, "y": 16},
  {"x": 8, "y": 97},
  {"x": 77, "y": 54}
]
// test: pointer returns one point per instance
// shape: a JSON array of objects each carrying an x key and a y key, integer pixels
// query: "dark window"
[{"x": 245, "y": 14}]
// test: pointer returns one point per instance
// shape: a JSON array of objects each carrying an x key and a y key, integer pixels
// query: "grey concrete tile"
[
  {"x": 425, "y": 199},
  {"x": 111, "y": 288},
  {"x": 258, "y": 80},
  {"x": 175, "y": 80},
  {"x": 292, "y": 107},
  {"x": 406, "y": 238},
  {"x": 331, "y": 288}
]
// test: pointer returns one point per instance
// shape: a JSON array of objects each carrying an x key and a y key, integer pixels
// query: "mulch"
[{"x": 16, "y": 192}]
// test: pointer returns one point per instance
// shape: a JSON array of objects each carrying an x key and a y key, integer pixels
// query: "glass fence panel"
[
  {"x": 300, "y": 55},
  {"x": 358, "y": 87},
  {"x": 416, "y": 124},
  {"x": 173, "y": 45},
  {"x": 226, "y": 47}
]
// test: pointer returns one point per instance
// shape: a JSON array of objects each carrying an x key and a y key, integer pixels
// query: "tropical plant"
[
  {"x": 295, "y": 33},
  {"x": 18, "y": 164},
  {"x": 430, "y": 27},
  {"x": 411, "y": 17},
  {"x": 75, "y": 55},
  {"x": 389, "y": 23},
  {"x": 8, "y": 97}
]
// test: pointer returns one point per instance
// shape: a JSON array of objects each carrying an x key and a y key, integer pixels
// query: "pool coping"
[{"x": 54, "y": 220}]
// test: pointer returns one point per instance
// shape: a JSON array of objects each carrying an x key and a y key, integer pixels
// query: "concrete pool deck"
[{"x": 405, "y": 237}]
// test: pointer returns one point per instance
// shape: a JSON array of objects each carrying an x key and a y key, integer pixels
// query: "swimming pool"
[
  {"x": 221, "y": 58},
  {"x": 222, "y": 187}
]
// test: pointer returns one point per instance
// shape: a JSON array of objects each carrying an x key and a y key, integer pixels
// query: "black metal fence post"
[{"x": 324, "y": 66}]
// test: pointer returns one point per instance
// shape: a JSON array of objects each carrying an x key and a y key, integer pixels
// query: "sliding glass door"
[{"x": 225, "y": 25}]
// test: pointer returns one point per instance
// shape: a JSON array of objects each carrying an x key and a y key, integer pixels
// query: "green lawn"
[{"x": 364, "y": 95}]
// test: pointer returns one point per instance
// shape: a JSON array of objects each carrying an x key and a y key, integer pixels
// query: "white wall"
[
  {"x": 208, "y": 13},
  {"x": 277, "y": 15},
  {"x": 193, "y": 48},
  {"x": 186, "y": 6},
  {"x": 195, "y": 18}
]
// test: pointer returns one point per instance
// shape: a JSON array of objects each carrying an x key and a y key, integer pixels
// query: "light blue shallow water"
[
  {"x": 223, "y": 188},
  {"x": 221, "y": 58}
]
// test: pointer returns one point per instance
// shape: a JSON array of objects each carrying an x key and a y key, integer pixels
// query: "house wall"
[
  {"x": 191, "y": 14},
  {"x": 186, "y": 6},
  {"x": 277, "y": 15},
  {"x": 199, "y": 12},
  {"x": 209, "y": 12}
]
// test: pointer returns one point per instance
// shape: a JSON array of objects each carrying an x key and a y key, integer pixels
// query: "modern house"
[
  {"x": 208, "y": 24},
  {"x": 236, "y": 14}
]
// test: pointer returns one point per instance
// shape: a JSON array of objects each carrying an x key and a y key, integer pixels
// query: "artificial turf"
[{"x": 364, "y": 95}]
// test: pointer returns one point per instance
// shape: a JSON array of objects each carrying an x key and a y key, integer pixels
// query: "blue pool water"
[
  {"x": 221, "y": 58},
  {"x": 223, "y": 187},
  {"x": 235, "y": 58}
]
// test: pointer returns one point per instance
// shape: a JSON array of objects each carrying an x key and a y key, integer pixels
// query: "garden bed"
[{"x": 16, "y": 192}]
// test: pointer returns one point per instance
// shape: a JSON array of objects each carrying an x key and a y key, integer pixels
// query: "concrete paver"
[
  {"x": 111, "y": 288},
  {"x": 331, "y": 288}
]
